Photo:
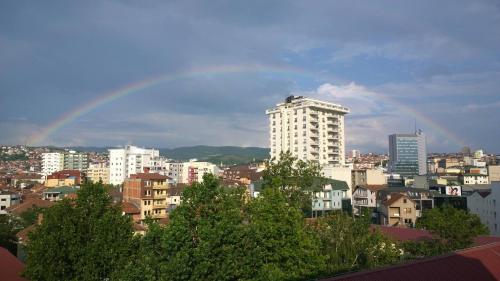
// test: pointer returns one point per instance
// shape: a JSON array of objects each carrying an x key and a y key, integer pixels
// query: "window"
[{"x": 404, "y": 201}]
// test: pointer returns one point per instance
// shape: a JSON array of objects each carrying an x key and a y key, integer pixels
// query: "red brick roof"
[
  {"x": 394, "y": 197},
  {"x": 373, "y": 187},
  {"x": 28, "y": 204},
  {"x": 130, "y": 208},
  {"x": 10, "y": 266},
  {"x": 479, "y": 263},
  {"x": 65, "y": 174}
]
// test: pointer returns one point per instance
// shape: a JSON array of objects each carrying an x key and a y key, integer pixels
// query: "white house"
[{"x": 7, "y": 199}]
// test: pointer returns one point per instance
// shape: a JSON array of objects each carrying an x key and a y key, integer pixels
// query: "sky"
[{"x": 223, "y": 63}]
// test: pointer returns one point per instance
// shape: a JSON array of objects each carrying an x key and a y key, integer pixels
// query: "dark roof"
[
  {"x": 10, "y": 266},
  {"x": 65, "y": 174},
  {"x": 479, "y": 263},
  {"x": 394, "y": 197}
]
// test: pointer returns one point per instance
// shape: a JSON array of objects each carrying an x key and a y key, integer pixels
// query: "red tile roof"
[
  {"x": 28, "y": 204},
  {"x": 10, "y": 266},
  {"x": 479, "y": 263},
  {"x": 373, "y": 187},
  {"x": 394, "y": 197},
  {"x": 65, "y": 174},
  {"x": 130, "y": 208}
]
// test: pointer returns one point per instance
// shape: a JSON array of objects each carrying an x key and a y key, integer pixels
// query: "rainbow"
[{"x": 137, "y": 87}]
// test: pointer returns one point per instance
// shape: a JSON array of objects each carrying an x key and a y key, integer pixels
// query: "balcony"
[{"x": 160, "y": 196}]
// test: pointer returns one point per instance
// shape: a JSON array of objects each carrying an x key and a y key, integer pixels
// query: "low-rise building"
[
  {"x": 332, "y": 196},
  {"x": 59, "y": 193},
  {"x": 398, "y": 210},
  {"x": 474, "y": 179},
  {"x": 8, "y": 199},
  {"x": 486, "y": 204},
  {"x": 365, "y": 196},
  {"x": 64, "y": 178}
]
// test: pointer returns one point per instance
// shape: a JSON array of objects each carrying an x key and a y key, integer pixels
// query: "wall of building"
[{"x": 487, "y": 208}]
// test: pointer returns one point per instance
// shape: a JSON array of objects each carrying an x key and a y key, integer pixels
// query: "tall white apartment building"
[
  {"x": 124, "y": 162},
  {"x": 52, "y": 162},
  {"x": 310, "y": 129}
]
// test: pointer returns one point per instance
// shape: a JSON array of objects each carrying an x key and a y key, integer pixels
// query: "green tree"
[
  {"x": 206, "y": 233},
  {"x": 452, "y": 228},
  {"x": 30, "y": 216},
  {"x": 295, "y": 178},
  {"x": 350, "y": 244},
  {"x": 282, "y": 246},
  {"x": 84, "y": 239},
  {"x": 9, "y": 226}
]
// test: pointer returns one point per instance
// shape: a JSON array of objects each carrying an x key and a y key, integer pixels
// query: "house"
[
  {"x": 174, "y": 196},
  {"x": 398, "y": 210},
  {"x": 27, "y": 204},
  {"x": 365, "y": 196},
  {"x": 148, "y": 192},
  {"x": 64, "y": 178},
  {"x": 59, "y": 193},
  {"x": 332, "y": 195}
]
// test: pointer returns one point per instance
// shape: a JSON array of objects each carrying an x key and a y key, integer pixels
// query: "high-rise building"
[
  {"x": 408, "y": 154},
  {"x": 124, "y": 162},
  {"x": 76, "y": 161},
  {"x": 309, "y": 129},
  {"x": 52, "y": 162}
]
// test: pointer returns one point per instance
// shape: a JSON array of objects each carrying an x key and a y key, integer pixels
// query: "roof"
[
  {"x": 130, "y": 208},
  {"x": 149, "y": 176},
  {"x": 478, "y": 263},
  {"x": 64, "y": 174},
  {"x": 28, "y": 204},
  {"x": 10, "y": 266},
  {"x": 62, "y": 189},
  {"x": 394, "y": 197},
  {"x": 23, "y": 234},
  {"x": 28, "y": 176}
]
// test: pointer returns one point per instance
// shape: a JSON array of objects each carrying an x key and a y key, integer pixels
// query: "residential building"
[
  {"x": 365, "y": 196},
  {"x": 127, "y": 161},
  {"x": 148, "y": 192},
  {"x": 175, "y": 172},
  {"x": 196, "y": 170},
  {"x": 333, "y": 196},
  {"x": 75, "y": 161},
  {"x": 8, "y": 199},
  {"x": 309, "y": 129},
  {"x": 52, "y": 162},
  {"x": 64, "y": 178},
  {"x": 368, "y": 177},
  {"x": 398, "y": 210},
  {"x": 98, "y": 172},
  {"x": 354, "y": 154},
  {"x": 486, "y": 204},
  {"x": 339, "y": 173},
  {"x": 244, "y": 174},
  {"x": 408, "y": 154}
]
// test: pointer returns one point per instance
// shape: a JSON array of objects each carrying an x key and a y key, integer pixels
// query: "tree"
[
  {"x": 351, "y": 245},
  {"x": 295, "y": 178},
  {"x": 206, "y": 233},
  {"x": 452, "y": 228},
  {"x": 84, "y": 239},
  {"x": 282, "y": 246},
  {"x": 9, "y": 226}
]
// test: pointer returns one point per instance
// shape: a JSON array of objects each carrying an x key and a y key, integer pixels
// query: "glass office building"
[{"x": 408, "y": 154}]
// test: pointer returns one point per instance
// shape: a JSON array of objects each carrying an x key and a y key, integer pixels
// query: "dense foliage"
[
  {"x": 84, "y": 239},
  {"x": 9, "y": 226}
]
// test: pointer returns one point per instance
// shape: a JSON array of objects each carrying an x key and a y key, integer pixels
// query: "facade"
[
  {"x": 8, "y": 199},
  {"x": 127, "y": 161},
  {"x": 486, "y": 204},
  {"x": 365, "y": 196},
  {"x": 398, "y": 210},
  {"x": 98, "y": 172},
  {"x": 331, "y": 196},
  {"x": 339, "y": 173},
  {"x": 76, "y": 161},
  {"x": 52, "y": 162},
  {"x": 148, "y": 192},
  {"x": 309, "y": 129},
  {"x": 59, "y": 193},
  {"x": 494, "y": 172},
  {"x": 408, "y": 154},
  {"x": 64, "y": 178},
  {"x": 368, "y": 177}
]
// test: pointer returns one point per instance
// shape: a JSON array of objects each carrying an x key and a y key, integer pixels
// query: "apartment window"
[
  {"x": 303, "y": 118},
  {"x": 304, "y": 126},
  {"x": 404, "y": 201}
]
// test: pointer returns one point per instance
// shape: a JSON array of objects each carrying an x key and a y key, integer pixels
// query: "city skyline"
[{"x": 170, "y": 75}]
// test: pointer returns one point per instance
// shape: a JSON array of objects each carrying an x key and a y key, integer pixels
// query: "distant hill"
[{"x": 228, "y": 155}]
